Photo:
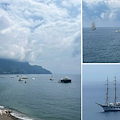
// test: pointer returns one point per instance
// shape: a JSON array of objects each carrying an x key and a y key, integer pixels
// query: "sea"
[
  {"x": 96, "y": 92},
  {"x": 41, "y": 98},
  {"x": 101, "y": 45}
]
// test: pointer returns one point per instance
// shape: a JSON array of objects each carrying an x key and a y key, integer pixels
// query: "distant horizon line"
[
  {"x": 40, "y": 74},
  {"x": 105, "y": 27}
]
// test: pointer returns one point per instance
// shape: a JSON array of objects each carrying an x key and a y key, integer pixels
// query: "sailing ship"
[
  {"x": 110, "y": 106},
  {"x": 93, "y": 26},
  {"x": 51, "y": 77}
]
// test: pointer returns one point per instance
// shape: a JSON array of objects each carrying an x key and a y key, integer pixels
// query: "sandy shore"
[{"x": 6, "y": 116}]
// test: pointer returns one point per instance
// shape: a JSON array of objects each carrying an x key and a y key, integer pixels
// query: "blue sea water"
[
  {"x": 41, "y": 98},
  {"x": 96, "y": 92},
  {"x": 101, "y": 45}
]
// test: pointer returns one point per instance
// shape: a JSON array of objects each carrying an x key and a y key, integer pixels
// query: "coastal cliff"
[{"x": 15, "y": 67}]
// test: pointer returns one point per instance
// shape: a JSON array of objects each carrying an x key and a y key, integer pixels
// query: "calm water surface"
[
  {"x": 101, "y": 45},
  {"x": 40, "y": 98}
]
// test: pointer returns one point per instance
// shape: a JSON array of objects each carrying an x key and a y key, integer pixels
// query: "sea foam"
[{"x": 21, "y": 116}]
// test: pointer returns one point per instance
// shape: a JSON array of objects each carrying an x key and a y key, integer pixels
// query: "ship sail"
[{"x": 93, "y": 26}]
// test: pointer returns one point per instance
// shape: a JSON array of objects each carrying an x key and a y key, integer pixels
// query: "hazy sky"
[
  {"x": 42, "y": 32},
  {"x": 95, "y": 73},
  {"x": 105, "y": 13}
]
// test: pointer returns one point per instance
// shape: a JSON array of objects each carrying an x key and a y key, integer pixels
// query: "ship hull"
[
  {"x": 111, "y": 108},
  {"x": 93, "y": 28}
]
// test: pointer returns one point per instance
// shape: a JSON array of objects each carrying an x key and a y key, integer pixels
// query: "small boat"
[
  {"x": 2, "y": 76},
  {"x": 51, "y": 77},
  {"x": 24, "y": 77},
  {"x": 17, "y": 76},
  {"x": 20, "y": 79},
  {"x": 34, "y": 78},
  {"x": 110, "y": 106},
  {"x": 25, "y": 81},
  {"x": 65, "y": 80},
  {"x": 93, "y": 26}
]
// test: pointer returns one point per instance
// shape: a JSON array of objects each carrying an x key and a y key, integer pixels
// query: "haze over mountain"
[{"x": 15, "y": 67}]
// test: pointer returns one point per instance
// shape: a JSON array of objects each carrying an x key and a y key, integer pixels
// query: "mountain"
[{"x": 15, "y": 67}]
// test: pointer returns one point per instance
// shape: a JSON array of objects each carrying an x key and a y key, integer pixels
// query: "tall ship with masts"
[
  {"x": 111, "y": 106},
  {"x": 93, "y": 26}
]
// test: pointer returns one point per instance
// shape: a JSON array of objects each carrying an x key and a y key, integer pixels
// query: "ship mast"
[
  {"x": 115, "y": 90},
  {"x": 107, "y": 92}
]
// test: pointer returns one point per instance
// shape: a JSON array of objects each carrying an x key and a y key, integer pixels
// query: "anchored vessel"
[
  {"x": 24, "y": 77},
  {"x": 65, "y": 80},
  {"x": 20, "y": 79},
  {"x": 111, "y": 106},
  {"x": 93, "y": 26},
  {"x": 51, "y": 77}
]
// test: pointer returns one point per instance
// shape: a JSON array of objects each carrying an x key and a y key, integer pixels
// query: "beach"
[{"x": 5, "y": 115}]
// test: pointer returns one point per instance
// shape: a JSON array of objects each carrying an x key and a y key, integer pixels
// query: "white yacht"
[
  {"x": 65, "y": 80},
  {"x": 111, "y": 106}
]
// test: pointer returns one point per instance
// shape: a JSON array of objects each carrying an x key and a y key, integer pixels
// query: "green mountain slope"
[{"x": 14, "y": 67}]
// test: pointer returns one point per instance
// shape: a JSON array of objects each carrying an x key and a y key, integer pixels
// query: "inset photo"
[
  {"x": 101, "y": 92},
  {"x": 101, "y": 31}
]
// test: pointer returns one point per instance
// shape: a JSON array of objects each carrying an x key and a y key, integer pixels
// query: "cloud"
[
  {"x": 101, "y": 11},
  {"x": 112, "y": 16},
  {"x": 77, "y": 45},
  {"x": 102, "y": 15},
  {"x": 94, "y": 9},
  {"x": 113, "y": 4},
  {"x": 37, "y": 30}
]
